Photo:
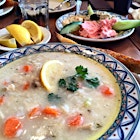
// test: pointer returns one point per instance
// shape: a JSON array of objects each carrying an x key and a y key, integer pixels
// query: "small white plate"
[
  {"x": 6, "y": 10},
  {"x": 120, "y": 36},
  {"x": 46, "y": 38},
  {"x": 2, "y": 2},
  {"x": 65, "y": 7}
]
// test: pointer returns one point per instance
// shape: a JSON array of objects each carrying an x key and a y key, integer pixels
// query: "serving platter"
[
  {"x": 126, "y": 123},
  {"x": 46, "y": 37},
  {"x": 121, "y": 35},
  {"x": 67, "y": 6}
]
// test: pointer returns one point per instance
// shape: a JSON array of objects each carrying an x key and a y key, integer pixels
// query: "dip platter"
[{"x": 126, "y": 124}]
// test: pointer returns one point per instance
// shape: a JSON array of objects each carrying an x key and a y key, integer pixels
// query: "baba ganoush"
[{"x": 29, "y": 112}]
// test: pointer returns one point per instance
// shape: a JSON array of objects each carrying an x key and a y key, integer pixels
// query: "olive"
[{"x": 94, "y": 17}]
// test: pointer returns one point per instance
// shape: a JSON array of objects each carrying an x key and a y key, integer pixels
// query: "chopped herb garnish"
[
  {"x": 81, "y": 72},
  {"x": 93, "y": 82},
  {"x": 71, "y": 82},
  {"x": 54, "y": 98},
  {"x": 62, "y": 83}
]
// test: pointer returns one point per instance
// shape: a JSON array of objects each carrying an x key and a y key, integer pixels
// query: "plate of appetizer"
[
  {"x": 95, "y": 26},
  {"x": 67, "y": 6},
  {"x": 94, "y": 96}
]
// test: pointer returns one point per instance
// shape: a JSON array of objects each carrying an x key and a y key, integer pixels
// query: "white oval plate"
[
  {"x": 127, "y": 122},
  {"x": 65, "y": 7},
  {"x": 122, "y": 35},
  {"x": 2, "y": 2},
  {"x": 46, "y": 38},
  {"x": 6, "y": 10}
]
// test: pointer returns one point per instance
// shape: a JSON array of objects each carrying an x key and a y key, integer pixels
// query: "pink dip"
[{"x": 101, "y": 29}]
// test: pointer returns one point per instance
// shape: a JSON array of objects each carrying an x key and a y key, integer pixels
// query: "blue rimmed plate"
[
  {"x": 120, "y": 36},
  {"x": 126, "y": 123}
]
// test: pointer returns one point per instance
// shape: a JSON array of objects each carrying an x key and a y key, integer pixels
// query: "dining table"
[{"x": 129, "y": 46}]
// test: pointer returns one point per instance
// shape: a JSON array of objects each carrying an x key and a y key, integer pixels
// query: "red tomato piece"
[
  {"x": 35, "y": 112},
  {"x": 105, "y": 90},
  {"x": 51, "y": 111},
  {"x": 76, "y": 120},
  {"x": 11, "y": 126}
]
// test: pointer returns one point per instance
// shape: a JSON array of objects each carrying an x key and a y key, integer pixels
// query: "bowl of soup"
[{"x": 94, "y": 97}]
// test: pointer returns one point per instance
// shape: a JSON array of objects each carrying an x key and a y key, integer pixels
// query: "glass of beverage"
[
  {"x": 35, "y": 10},
  {"x": 122, "y": 6}
]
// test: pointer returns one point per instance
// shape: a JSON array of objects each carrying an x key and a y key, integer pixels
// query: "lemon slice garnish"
[
  {"x": 50, "y": 74},
  {"x": 20, "y": 33},
  {"x": 10, "y": 43},
  {"x": 34, "y": 30}
]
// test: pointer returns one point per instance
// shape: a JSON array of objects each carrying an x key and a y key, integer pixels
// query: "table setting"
[{"x": 89, "y": 35}]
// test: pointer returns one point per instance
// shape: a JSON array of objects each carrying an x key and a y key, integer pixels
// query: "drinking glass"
[
  {"x": 122, "y": 6},
  {"x": 35, "y": 10}
]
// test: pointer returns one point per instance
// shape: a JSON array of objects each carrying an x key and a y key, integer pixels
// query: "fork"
[{"x": 59, "y": 6}]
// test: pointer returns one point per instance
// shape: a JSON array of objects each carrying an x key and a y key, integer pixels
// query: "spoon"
[
  {"x": 59, "y": 7},
  {"x": 78, "y": 6}
]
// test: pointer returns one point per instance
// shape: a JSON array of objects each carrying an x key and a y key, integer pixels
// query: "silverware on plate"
[{"x": 59, "y": 7}]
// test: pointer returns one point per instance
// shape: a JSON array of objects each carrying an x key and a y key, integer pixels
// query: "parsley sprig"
[{"x": 71, "y": 82}]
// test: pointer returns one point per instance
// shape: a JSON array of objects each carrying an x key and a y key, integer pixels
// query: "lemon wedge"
[
  {"x": 34, "y": 30},
  {"x": 20, "y": 33},
  {"x": 50, "y": 74},
  {"x": 10, "y": 43}
]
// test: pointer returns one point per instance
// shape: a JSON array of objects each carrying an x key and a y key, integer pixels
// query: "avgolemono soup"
[{"x": 57, "y": 96}]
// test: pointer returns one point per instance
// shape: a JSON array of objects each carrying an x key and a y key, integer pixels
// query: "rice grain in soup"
[{"x": 29, "y": 112}]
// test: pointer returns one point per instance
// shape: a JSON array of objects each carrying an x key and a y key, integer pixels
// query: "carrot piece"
[
  {"x": 11, "y": 126},
  {"x": 26, "y": 86},
  {"x": 105, "y": 90},
  {"x": 5, "y": 83},
  {"x": 1, "y": 100},
  {"x": 35, "y": 112},
  {"x": 76, "y": 120},
  {"x": 27, "y": 68},
  {"x": 51, "y": 111}
]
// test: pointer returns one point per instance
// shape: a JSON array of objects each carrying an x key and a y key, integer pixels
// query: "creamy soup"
[{"x": 29, "y": 112}]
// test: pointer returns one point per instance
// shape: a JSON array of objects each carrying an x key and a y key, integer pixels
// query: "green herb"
[
  {"x": 62, "y": 83},
  {"x": 81, "y": 72},
  {"x": 72, "y": 83},
  {"x": 93, "y": 82},
  {"x": 53, "y": 98}
]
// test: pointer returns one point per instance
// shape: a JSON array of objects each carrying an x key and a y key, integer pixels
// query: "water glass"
[
  {"x": 122, "y": 6},
  {"x": 35, "y": 10}
]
